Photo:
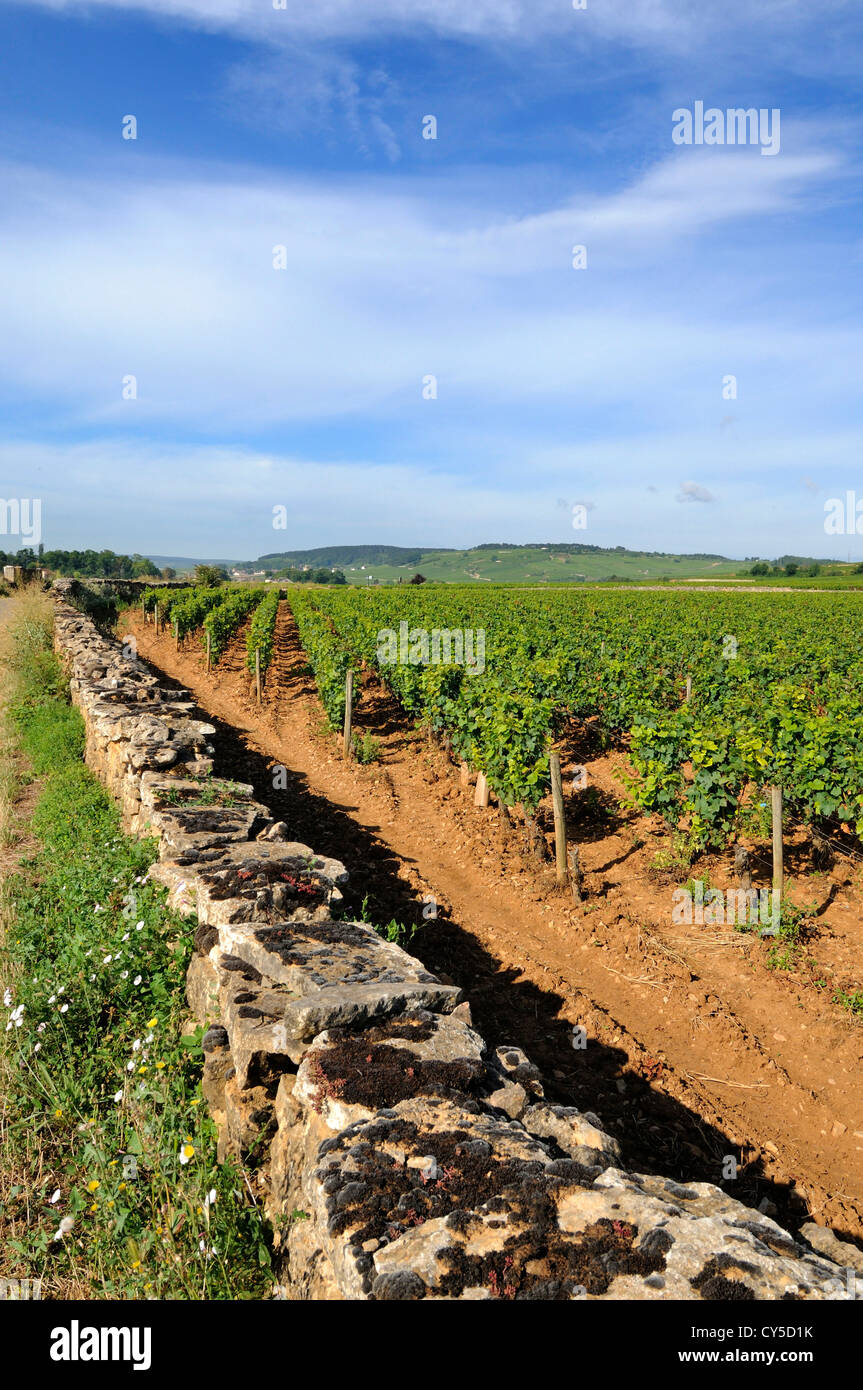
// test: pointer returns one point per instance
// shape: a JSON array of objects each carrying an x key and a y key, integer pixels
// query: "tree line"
[{"x": 85, "y": 564}]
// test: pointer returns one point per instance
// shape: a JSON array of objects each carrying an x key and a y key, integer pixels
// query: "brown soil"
[{"x": 697, "y": 1049}]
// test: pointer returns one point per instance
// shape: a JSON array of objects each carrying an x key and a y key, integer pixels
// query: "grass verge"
[{"x": 109, "y": 1184}]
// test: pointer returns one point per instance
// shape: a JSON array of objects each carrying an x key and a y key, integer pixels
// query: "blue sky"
[{"x": 409, "y": 258}]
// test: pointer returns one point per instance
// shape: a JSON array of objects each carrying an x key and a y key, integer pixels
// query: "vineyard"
[
  {"x": 718, "y": 695},
  {"x": 217, "y": 614},
  {"x": 683, "y": 709}
]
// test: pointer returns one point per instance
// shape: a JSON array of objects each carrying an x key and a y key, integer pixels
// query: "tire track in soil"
[{"x": 404, "y": 830}]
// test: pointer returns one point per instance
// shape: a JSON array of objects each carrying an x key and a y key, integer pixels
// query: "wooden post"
[
  {"x": 464, "y": 775},
  {"x": 688, "y": 689},
  {"x": 776, "y": 805},
  {"x": 480, "y": 796},
  {"x": 156, "y": 617},
  {"x": 349, "y": 699},
  {"x": 209, "y": 647},
  {"x": 602, "y": 648},
  {"x": 177, "y": 634},
  {"x": 143, "y": 610},
  {"x": 258, "y": 673},
  {"x": 575, "y": 873},
  {"x": 559, "y": 817}
]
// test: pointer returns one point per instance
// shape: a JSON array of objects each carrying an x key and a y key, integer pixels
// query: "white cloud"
[
  {"x": 112, "y": 491},
  {"x": 311, "y": 89},
  {"x": 169, "y": 277},
  {"x": 694, "y": 492},
  {"x": 671, "y": 24}
]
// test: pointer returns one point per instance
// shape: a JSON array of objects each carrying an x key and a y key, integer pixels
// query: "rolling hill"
[{"x": 504, "y": 563}]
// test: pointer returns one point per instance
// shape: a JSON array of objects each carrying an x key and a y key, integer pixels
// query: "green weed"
[{"x": 109, "y": 1184}]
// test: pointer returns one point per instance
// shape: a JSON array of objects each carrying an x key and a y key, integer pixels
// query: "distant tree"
[
  {"x": 858, "y": 569},
  {"x": 813, "y": 569},
  {"x": 418, "y": 579},
  {"x": 141, "y": 567},
  {"x": 311, "y": 576},
  {"x": 791, "y": 568},
  {"x": 169, "y": 573},
  {"x": 210, "y": 576},
  {"x": 760, "y": 568}
]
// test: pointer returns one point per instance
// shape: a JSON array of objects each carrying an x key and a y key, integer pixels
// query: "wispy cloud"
[
  {"x": 169, "y": 277},
  {"x": 673, "y": 24},
  {"x": 312, "y": 89},
  {"x": 257, "y": 385},
  {"x": 113, "y": 490}
]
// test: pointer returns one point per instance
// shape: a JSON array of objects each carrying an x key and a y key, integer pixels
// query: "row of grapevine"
[
  {"x": 228, "y": 616},
  {"x": 499, "y": 725},
  {"x": 775, "y": 688},
  {"x": 328, "y": 655},
  {"x": 261, "y": 632},
  {"x": 189, "y": 609},
  {"x": 159, "y": 593}
]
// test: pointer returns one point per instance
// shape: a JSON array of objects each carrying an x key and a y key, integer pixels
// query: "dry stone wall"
[{"x": 398, "y": 1155}]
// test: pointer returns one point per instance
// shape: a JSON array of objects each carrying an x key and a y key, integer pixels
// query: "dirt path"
[{"x": 696, "y": 1051}]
